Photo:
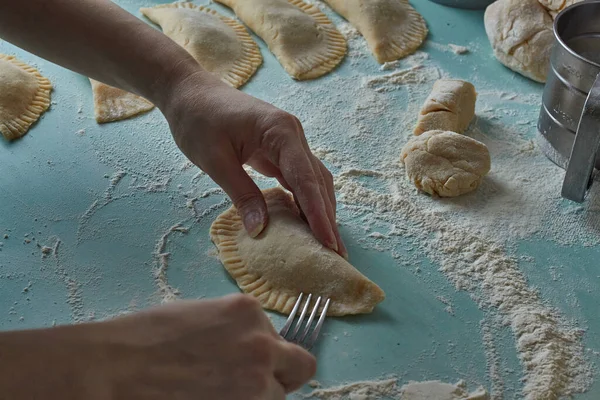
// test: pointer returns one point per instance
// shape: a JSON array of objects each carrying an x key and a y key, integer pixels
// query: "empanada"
[
  {"x": 24, "y": 96},
  {"x": 113, "y": 104},
  {"x": 449, "y": 107},
  {"x": 392, "y": 28},
  {"x": 221, "y": 45},
  {"x": 302, "y": 38},
  {"x": 286, "y": 259}
]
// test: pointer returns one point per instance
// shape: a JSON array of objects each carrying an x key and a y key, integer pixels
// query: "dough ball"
[
  {"x": 445, "y": 163},
  {"x": 520, "y": 32}
]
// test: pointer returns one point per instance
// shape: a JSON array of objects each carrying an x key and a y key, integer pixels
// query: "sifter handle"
[{"x": 578, "y": 178}]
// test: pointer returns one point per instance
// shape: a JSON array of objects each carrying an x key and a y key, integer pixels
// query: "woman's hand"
[
  {"x": 223, "y": 349},
  {"x": 220, "y": 129}
]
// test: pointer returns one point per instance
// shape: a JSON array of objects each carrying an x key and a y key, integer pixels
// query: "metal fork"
[{"x": 303, "y": 340}]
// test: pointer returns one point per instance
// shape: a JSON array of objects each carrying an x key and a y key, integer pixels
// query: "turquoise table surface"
[{"x": 106, "y": 198}]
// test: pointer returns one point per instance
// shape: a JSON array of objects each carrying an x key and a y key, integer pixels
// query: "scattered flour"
[
  {"x": 166, "y": 291},
  {"x": 376, "y": 390}
]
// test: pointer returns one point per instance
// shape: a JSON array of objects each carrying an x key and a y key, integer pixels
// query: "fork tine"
[
  {"x": 301, "y": 318},
  {"x": 315, "y": 334},
  {"x": 310, "y": 320},
  {"x": 286, "y": 328}
]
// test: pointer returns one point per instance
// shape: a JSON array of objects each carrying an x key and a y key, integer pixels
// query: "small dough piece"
[
  {"x": 302, "y": 38},
  {"x": 392, "y": 28},
  {"x": 520, "y": 32},
  {"x": 24, "y": 96},
  {"x": 221, "y": 45},
  {"x": 449, "y": 107},
  {"x": 286, "y": 260},
  {"x": 445, "y": 164},
  {"x": 113, "y": 104}
]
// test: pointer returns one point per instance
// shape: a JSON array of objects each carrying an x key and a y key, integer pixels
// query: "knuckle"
[
  {"x": 241, "y": 303},
  {"x": 262, "y": 351}
]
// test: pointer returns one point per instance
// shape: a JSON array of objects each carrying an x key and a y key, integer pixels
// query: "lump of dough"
[
  {"x": 449, "y": 107},
  {"x": 392, "y": 28},
  {"x": 303, "y": 39},
  {"x": 286, "y": 260},
  {"x": 520, "y": 32},
  {"x": 556, "y": 6},
  {"x": 444, "y": 163},
  {"x": 24, "y": 96}
]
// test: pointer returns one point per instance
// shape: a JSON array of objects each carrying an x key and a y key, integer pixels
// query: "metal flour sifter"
[{"x": 569, "y": 122}]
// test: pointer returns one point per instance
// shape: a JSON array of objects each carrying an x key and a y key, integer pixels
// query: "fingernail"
[
  {"x": 253, "y": 222},
  {"x": 345, "y": 255},
  {"x": 333, "y": 246}
]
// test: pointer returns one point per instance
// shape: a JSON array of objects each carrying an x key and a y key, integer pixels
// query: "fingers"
[
  {"x": 294, "y": 366},
  {"x": 226, "y": 170}
]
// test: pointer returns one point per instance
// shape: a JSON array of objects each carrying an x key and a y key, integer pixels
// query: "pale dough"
[
  {"x": 449, "y": 107},
  {"x": 286, "y": 260},
  {"x": 392, "y": 28},
  {"x": 444, "y": 163},
  {"x": 113, "y": 104},
  {"x": 302, "y": 38},
  {"x": 24, "y": 96},
  {"x": 520, "y": 32},
  {"x": 556, "y": 6},
  {"x": 219, "y": 44},
  {"x": 436, "y": 390}
]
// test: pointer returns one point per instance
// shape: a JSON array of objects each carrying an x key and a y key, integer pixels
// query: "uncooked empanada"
[
  {"x": 445, "y": 164},
  {"x": 113, "y": 104},
  {"x": 302, "y": 38},
  {"x": 221, "y": 45},
  {"x": 449, "y": 107},
  {"x": 286, "y": 259},
  {"x": 392, "y": 28},
  {"x": 24, "y": 96}
]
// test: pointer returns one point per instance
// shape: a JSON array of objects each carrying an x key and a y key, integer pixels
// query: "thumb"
[{"x": 243, "y": 192}]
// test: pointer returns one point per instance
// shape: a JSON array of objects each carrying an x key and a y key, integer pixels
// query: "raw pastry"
[
  {"x": 449, "y": 107},
  {"x": 556, "y": 6},
  {"x": 392, "y": 28},
  {"x": 113, "y": 104},
  {"x": 24, "y": 96},
  {"x": 286, "y": 259},
  {"x": 221, "y": 45},
  {"x": 302, "y": 38},
  {"x": 520, "y": 32},
  {"x": 445, "y": 164}
]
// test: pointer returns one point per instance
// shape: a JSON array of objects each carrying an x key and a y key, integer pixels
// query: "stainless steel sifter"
[{"x": 569, "y": 123}]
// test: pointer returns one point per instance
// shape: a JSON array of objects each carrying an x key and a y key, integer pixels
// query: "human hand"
[
  {"x": 223, "y": 349},
  {"x": 220, "y": 129}
]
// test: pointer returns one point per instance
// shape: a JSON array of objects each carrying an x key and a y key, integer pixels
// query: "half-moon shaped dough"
[
  {"x": 113, "y": 104},
  {"x": 24, "y": 96},
  {"x": 446, "y": 164},
  {"x": 286, "y": 260},
  {"x": 221, "y": 45},
  {"x": 302, "y": 38},
  {"x": 449, "y": 107},
  {"x": 392, "y": 28}
]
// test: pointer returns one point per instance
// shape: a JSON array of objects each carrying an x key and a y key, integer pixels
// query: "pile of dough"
[
  {"x": 302, "y": 38},
  {"x": 392, "y": 28},
  {"x": 24, "y": 96},
  {"x": 449, "y": 107},
  {"x": 221, "y": 45},
  {"x": 520, "y": 32},
  {"x": 113, "y": 104},
  {"x": 445, "y": 164},
  {"x": 286, "y": 260}
]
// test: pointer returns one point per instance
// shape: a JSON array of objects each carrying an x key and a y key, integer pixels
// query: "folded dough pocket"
[
  {"x": 24, "y": 96},
  {"x": 113, "y": 104},
  {"x": 302, "y": 38},
  {"x": 221, "y": 45},
  {"x": 286, "y": 260},
  {"x": 392, "y": 28}
]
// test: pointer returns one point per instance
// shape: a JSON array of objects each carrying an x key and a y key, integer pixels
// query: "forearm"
[{"x": 98, "y": 39}]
